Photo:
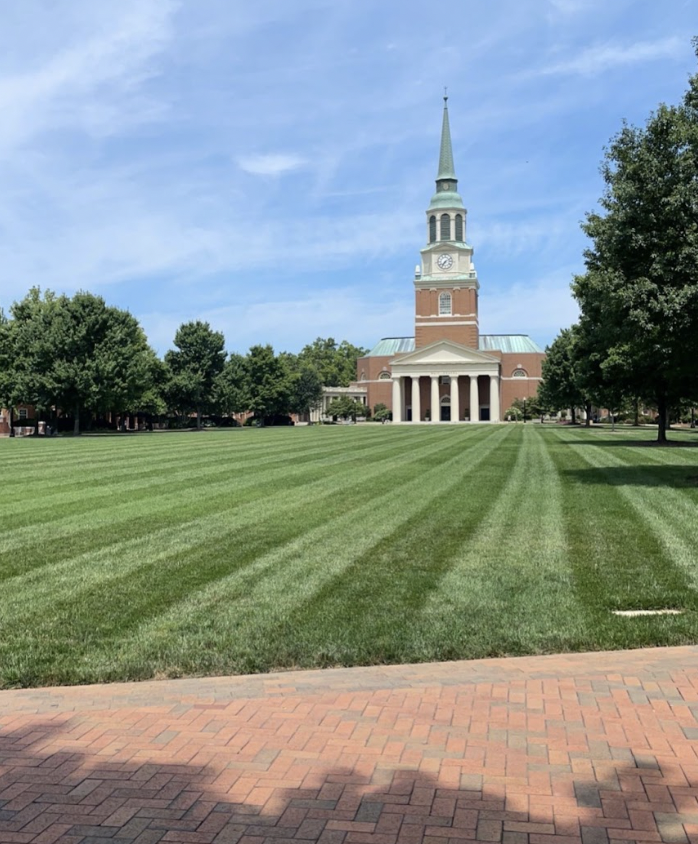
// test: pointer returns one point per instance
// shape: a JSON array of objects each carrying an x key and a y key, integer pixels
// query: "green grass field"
[{"x": 249, "y": 550}]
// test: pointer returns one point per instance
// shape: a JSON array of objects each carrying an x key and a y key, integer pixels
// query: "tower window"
[
  {"x": 384, "y": 376},
  {"x": 444, "y": 304},
  {"x": 432, "y": 229},
  {"x": 445, "y": 227},
  {"x": 459, "y": 227},
  {"x": 519, "y": 373}
]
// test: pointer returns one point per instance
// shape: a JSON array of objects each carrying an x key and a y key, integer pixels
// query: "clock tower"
[{"x": 446, "y": 285}]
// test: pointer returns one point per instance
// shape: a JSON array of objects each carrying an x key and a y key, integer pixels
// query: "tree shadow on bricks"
[{"x": 122, "y": 777}]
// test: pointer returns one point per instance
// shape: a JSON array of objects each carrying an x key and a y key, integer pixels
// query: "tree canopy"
[
  {"x": 335, "y": 363},
  {"x": 76, "y": 353},
  {"x": 639, "y": 294},
  {"x": 306, "y": 389},
  {"x": 230, "y": 389},
  {"x": 561, "y": 385},
  {"x": 195, "y": 364},
  {"x": 79, "y": 357},
  {"x": 268, "y": 383}
]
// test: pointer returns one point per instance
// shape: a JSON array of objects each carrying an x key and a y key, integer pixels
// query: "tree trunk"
[
  {"x": 76, "y": 421},
  {"x": 12, "y": 422},
  {"x": 588, "y": 410},
  {"x": 198, "y": 418},
  {"x": 661, "y": 420},
  {"x": 573, "y": 416},
  {"x": 637, "y": 412}
]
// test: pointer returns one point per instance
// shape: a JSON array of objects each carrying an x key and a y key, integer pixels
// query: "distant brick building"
[
  {"x": 449, "y": 371},
  {"x": 19, "y": 416}
]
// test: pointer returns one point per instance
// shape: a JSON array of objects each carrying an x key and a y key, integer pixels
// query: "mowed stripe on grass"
[{"x": 248, "y": 550}]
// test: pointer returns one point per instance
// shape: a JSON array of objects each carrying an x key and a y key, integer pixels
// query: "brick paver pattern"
[{"x": 576, "y": 749}]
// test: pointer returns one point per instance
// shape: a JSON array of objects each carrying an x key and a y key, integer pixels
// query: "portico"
[{"x": 445, "y": 382}]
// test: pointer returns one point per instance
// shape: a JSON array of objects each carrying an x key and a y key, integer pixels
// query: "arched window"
[
  {"x": 384, "y": 376},
  {"x": 444, "y": 304},
  {"x": 445, "y": 227},
  {"x": 432, "y": 229},
  {"x": 459, "y": 228},
  {"x": 519, "y": 373}
]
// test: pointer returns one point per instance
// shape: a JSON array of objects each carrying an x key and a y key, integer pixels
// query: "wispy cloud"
[
  {"x": 602, "y": 57},
  {"x": 94, "y": 84},
  {"x": 271, "y": 164}
]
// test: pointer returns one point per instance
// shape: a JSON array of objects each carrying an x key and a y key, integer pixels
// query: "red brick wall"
[
  {"x": 463, "y": 306},
  {"x": 368, "y": 370},
  {"x": 519, "y": 388}
]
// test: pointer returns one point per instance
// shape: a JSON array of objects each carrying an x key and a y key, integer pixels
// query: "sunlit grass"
[{"x": 249, "y": 550}]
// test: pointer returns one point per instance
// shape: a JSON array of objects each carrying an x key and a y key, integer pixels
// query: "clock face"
[{"x": 445, "y": 262}]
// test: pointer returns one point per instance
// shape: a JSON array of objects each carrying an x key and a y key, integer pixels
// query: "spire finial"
[{"x": 445, "y": 97}]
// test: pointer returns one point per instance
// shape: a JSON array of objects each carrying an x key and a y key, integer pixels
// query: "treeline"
[
  {"x": 636, "y": 342},
  {"x": 80, "y": 358}
]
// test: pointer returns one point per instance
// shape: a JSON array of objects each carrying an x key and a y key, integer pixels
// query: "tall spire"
[
  {"x": 446, "y": 195},
  {"x": 446, "y": 168}
]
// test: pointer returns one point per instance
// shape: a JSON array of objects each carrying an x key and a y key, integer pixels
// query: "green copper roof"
[
  {"x": 446, "y": 168},
  {"x": 507, "y": 343},
  {"x": 446, "y": 199},
  {"x": 392, "y": 346}
]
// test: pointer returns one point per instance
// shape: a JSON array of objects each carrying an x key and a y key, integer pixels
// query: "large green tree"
[
  {"x": 561, "y": 388},
  {"x": 195, "y": 364},
  {"x": 639, "y": 295},
  {"x": 268, "y": 383},
  {"x": 27, "y": 351},
  {"x": 78, "y": 354},
  {"x": 230, "y": 390},
  {"x": 306, "y": 389},
  {"x": 335, "y": 363}
]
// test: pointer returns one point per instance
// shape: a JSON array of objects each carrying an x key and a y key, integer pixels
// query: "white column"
[
  {"x": 397, "y": 398},
  {"x": 416, "y": 409},
  {"x": 474, "y": 400},
  {"x": 494, "y": 398},
  {"x": 455, "y": 404},
  {"x": 435, "y": 406}
]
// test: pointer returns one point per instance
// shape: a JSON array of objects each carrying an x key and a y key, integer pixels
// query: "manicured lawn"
[{"x": 249, "y": 550}]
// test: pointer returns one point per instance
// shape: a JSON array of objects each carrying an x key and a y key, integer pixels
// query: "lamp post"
[{"x": 524, "y": 410}]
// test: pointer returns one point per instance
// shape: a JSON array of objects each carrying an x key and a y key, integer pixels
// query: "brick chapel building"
[{"x": 449, "y": 372}]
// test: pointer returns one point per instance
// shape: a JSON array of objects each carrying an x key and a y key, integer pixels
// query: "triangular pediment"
[{"x": 444, "y": 352}]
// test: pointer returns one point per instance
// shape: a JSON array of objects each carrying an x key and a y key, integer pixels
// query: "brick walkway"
[{"x": 589, "y": 748}]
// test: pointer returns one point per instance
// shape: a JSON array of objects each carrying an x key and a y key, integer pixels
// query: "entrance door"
[
  {"x": 484, "y": 414},
  {"x": 445, "y": 412}
]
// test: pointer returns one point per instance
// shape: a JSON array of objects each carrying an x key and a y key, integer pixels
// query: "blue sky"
[{"x": 267, "y": 169}]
